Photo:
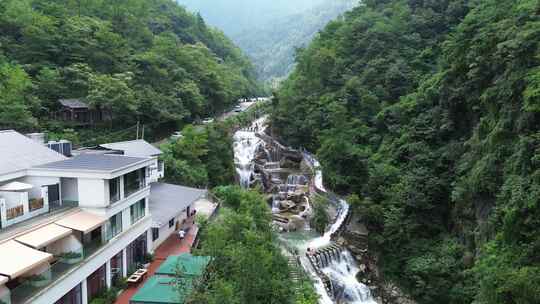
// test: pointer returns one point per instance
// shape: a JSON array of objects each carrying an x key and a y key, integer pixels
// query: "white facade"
[
  {"x": 18, "y": 206},
  {"x": 91, "y": 192},
  {"x": 167, "y": 230}
]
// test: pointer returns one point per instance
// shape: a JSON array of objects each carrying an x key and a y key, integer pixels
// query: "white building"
[
  {"x": 172, "y": 209},
  {"x": 141, "y": 148},
  {"x": 69, "y": 226}
]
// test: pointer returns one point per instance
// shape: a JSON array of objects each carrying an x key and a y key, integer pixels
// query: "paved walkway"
[{"x": 171, "y": 246}]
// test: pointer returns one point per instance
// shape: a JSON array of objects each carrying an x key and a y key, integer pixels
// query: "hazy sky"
[{"x": 234, "y": 16}]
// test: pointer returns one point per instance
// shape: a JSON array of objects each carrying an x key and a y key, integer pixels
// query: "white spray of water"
[
  {"x": 342, "y": 272},
  {"x": 246, "y": 144}
]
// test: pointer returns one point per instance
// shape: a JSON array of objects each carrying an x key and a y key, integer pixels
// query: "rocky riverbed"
[{"x": 338, "y": 261}]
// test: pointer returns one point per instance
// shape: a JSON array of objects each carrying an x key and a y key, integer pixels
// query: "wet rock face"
[
  {"x": 289, "y": 163},
  {"x": 355, "y": 239}
]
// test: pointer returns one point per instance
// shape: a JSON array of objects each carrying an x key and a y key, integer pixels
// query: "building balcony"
[
  {"x": 62, "y": 264},
  {"x": 66, "y": 249},
  {"x": 16, "y": 207}
]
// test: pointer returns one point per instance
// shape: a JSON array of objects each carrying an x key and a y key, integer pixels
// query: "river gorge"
[{"x": 292, "y": 180}]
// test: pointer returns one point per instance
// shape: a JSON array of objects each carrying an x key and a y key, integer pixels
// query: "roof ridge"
[{"x": 126, "y": 141}]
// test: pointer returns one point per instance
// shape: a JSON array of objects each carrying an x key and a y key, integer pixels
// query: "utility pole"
[
  {"x": 142, "y": 137},
  {"x": 137, "y": 137}
]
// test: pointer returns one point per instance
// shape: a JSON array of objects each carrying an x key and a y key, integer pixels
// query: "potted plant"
[
  {"x": 70, "y": 257},
  {"x": 39, "y": 280},
  {"x": 148, "y": 258}
]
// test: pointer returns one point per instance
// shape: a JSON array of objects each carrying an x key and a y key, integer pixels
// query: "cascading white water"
[
  {"x": 342, "y": 272},
  {"x": 246, "y": 144},
  {"x": 325, "y": 239}
]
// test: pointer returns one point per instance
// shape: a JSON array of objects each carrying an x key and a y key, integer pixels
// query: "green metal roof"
[
  {"x": 162, "y": 290},
  {"x": 184, "y": 264}
]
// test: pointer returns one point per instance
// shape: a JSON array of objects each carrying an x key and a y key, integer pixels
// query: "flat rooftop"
[
  {"x": 93, "y": 162},
  {"x": 168, "y": 201},
  {"x": 135, "y": 148},
  {"x": 18, "y": 152}
]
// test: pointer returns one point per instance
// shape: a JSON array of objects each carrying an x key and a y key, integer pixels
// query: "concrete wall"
[
  {"x": 92, "y": 193},
  {"x": 38, "y": 182},
  {"x": 165, "y": 231},
  {"x": 70, "y": 190}
]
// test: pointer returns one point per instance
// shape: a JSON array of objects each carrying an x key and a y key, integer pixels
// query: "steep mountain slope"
[
  {"x": 236, "y": 16},
  {"x": 272, "y": 46},
  {"x": 428, "y": 112},
  {"x": 135, "y": 59}
]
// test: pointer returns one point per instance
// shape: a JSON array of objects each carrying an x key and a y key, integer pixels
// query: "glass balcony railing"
[{"x": 63, "y": 263}]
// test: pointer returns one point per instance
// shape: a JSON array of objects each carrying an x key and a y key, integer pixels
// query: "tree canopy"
[
  {"x": 134, "y": 59},
  {"x": 428, "y": 112}
]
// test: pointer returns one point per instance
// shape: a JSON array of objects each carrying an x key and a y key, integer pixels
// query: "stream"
[{"x": 337, "y": 268}]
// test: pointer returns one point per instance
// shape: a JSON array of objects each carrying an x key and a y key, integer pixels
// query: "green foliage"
[
  {"x": 202, "y": 157},
  {"x": 272, "y": 45},
  {"x": 320, "y": 219},
  {"x": 136, "y": 60},
  {"x": 107, "y": 296},
  {"x": 16, "y": 102},
  {"x": 427, "y": 113},
  {"x": 247, "y": 265}
]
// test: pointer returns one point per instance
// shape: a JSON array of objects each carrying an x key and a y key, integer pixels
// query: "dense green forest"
[
  {"x": 147, "y": 60},
  {"x": 270, "y": 31},
  {"x": 248, "y": 265},
  {"x": 427, "y": 113}
]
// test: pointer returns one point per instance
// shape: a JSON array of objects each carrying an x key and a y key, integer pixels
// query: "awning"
[
  {"x": 188, "y": 265},
  {"x": 44, "y": 236},
  {"x": 16, "y": 258},
  {"x": 82, "y": 221},
  {"x": 16, "y": 186}
]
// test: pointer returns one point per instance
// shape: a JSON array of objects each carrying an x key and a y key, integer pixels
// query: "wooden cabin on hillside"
[{"x": 78, "y": 112}]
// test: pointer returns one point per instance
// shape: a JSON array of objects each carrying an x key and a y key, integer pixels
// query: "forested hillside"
[
  {"x": 236, "y": 16},
  {"x": 427, "y": 113},
  {"x": 147, "y": 60},
  {"x": 272, "y": 45}
]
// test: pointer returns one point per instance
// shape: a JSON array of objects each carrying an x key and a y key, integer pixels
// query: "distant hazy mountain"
[
  {"x": 272, "y": 46},
  {"x": 269, "y": 31},
  {"x": 235, "y": 16}
]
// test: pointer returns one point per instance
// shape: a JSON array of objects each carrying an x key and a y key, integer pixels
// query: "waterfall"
[
  {"x": 246, "y": 145},
  {"x": 325, "y": 239},
  {"x": 332, "y": 264},
  {"x": 342, "y": 272}
]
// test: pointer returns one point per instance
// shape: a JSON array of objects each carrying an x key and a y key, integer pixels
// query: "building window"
[
  {"x": 114, "y": 189},
  {"x": 116, "y": 269},
  {"x": 74, "y": 296},
  {"x": 114, "y": 225},
  {"x": 135, "y": 253},
  {"x": 96, "y": 283},
  {"x": 137, "y": 211},
  {"x": 155, "y": 234},
  {"x": 171, "y": 223},
  {"x": 134, "y": 181},
  {"x": 161, "y": 166}
]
